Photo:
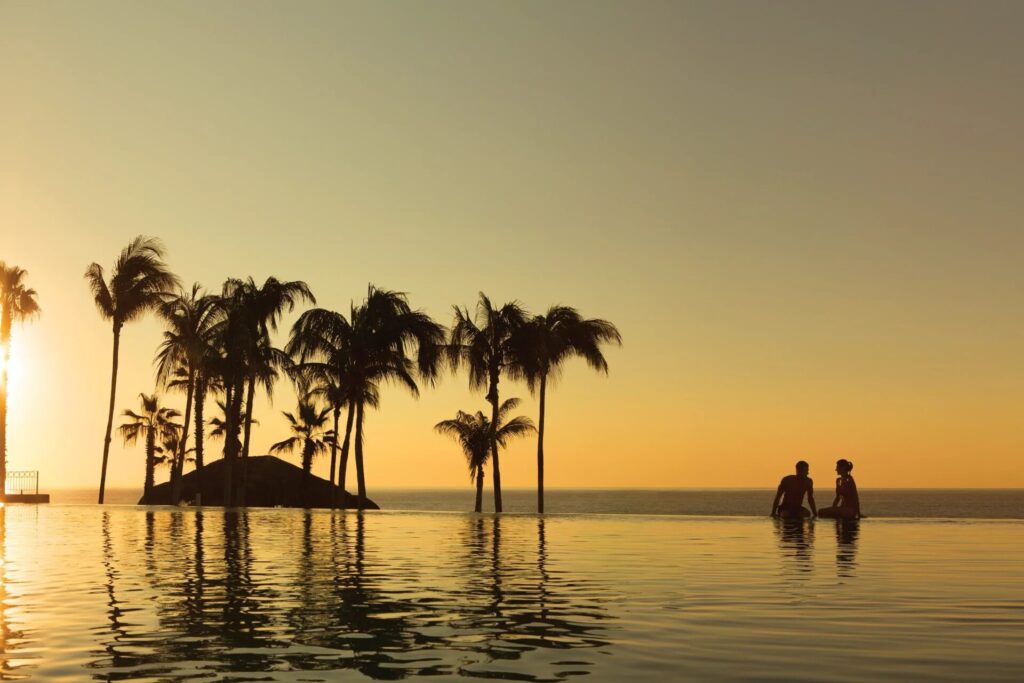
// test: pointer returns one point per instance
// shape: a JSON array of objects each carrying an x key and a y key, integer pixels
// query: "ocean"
[{"x": 926, "y": 503}]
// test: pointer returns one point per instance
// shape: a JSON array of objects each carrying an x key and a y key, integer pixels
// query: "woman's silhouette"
[{"x": 847, "y": 503}]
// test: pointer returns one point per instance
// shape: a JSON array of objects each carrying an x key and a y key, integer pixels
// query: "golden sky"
[{"x": 805, "y": 218}]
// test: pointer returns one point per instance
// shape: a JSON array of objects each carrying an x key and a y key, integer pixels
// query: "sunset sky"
[{"x": 805, "y": 218}]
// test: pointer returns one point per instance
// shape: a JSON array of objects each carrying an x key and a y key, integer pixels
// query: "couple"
[{"x": 794, "y": 487}]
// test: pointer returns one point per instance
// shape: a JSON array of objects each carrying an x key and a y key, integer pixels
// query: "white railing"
[{"x": 26, "y": 481}]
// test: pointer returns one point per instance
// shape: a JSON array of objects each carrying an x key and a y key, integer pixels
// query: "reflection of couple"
[{"x": 794, "y": 487}]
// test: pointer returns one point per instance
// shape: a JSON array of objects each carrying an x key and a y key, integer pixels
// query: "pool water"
[{"x": 159, "y": 594}]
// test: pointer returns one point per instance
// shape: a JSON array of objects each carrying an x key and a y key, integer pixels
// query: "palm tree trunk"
[
  {"x": 334, "y": 457},
  {"x": 360, "y": 475},
  {"x": 110, "y": 412},
  {"x": 200, "y": 400},
  {"x": 492, "y": 395},
  {"x": 6, "y": 318},
  {"x": 307, "y": 465},
  {"x": 250, "y": 396},
  {"x": 3, "y": 430},
  {"x": 343, "y": 465},
  {"x": 5, "y": 344},
  {"x": 178, "y": 467},
  {"x": 540, "y": 446},
  {"x": 147, "y": 489},
  {"x": 231, "y": 443},
  {"x": 479, "y": 490}
]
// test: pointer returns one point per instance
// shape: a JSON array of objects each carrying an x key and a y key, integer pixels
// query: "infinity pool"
[{"x": 157, "y": 594}]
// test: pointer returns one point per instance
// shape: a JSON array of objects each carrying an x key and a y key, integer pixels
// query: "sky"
[{"x": 805, "y": 218}]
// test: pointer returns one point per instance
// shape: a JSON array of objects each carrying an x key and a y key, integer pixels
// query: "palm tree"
[
  {"x": 546, "y": 343},
  {"x": 387, "y": 334},
  {"x": 181, "y": 360},
  {"x": 251, "y": 312},
  {"x": 308, "y": 432},
  {"x": 321, "y": 343},
  {"x": 17, "y": 303},
  {"x": 488, "y": 344},
  {"x": 138, "y": 283},
  {"x": 220, "y": 424},
  {"x": 154, "y": 424},
  {"x": 473, "y": 432}
]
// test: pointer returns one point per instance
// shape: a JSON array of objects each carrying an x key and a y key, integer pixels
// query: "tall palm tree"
[
  {"x": 180, "y": 362},
  {"x": 308, "y": 433},
  {"x": 139, "y": 282},
  {"x": 488, "y": 345},
  {"x": 253, "y": 311},
  {"x": 473, "y": 432},
  {"x": 321, "y": 343},
  {"x": 546, "y": 343},
  {"x": 17, "y": 303},
  {"x": 392, "y": 343},
  {"x": 155, "y": 424}
]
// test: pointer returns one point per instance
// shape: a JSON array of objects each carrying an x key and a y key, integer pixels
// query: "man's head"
[{"x": 802, "y": 469}]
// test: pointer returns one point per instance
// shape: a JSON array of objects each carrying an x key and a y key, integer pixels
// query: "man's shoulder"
[{"x": 789, "y": 478}]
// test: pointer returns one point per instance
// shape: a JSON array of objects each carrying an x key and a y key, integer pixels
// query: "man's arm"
[
  {"x": 810, "y": 498},
  {"x": 775, "y": 503}
]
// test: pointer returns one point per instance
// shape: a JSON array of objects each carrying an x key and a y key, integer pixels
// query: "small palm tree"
[
  {"x": 488, "y": 345},
  {"x": 155, "y": 424},
  {"x": 473, "y": 432},
  {"x": 546, "y": 343},
  {"x": 139, "y": 282},
  {"x": 307, "y": 427},
  {"x": 17, "y": 303}
]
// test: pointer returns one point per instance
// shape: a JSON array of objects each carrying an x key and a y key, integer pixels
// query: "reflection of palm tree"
[
  {"x": 243, "y": 619},
  {"x": 17, "y": 303},
  {"x": 548, "y": 341},
  {"x": 115, "y": 613},
  {"x": 473, "y": 432},
  {"x": 487, "y": 343},
  {"x": 7, "y": 635},
  {"x": 154, "y": 425},
  {"x": 139, "y": 282},
  {"x": 308, "y": 434}
]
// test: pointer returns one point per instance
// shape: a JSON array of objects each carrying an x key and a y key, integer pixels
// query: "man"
[{"x": 791, "y": 492}]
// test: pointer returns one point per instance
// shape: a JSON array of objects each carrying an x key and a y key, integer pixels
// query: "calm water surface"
[
  {"x": 159, "y": 594},
  {"x": 935, "y": 503}
]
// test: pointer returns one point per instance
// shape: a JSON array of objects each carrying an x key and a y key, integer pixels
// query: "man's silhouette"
[{"x": 791, "y": 492}]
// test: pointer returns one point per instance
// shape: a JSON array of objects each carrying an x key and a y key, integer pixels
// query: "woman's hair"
[{"x": 845, "y": 465}]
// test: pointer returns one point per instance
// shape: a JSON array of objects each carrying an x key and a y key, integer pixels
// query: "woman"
[{"x": 847, "y": 503}]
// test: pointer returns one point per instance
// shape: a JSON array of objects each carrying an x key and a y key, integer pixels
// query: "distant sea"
[{"x": 930, "y": 503}]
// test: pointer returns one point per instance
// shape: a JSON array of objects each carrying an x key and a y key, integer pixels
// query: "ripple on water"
[{"x": 166, "y": 595}]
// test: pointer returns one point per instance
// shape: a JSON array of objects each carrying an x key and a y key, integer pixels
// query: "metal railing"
[{"x": 26, "y": 481}]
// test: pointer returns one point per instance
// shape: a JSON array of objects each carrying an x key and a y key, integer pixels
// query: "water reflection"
[
  {"x": 796, "y": 543},
  {"x": 9, "y": 638},
  {"x": 321, "y": 592},
  {"x": 847, "y": 531}
]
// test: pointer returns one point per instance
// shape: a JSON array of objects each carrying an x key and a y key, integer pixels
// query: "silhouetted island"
[{"x": 272, "y": 482}]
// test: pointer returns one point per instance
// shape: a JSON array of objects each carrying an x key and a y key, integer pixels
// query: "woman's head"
[{"x": 844, "y": 466}]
